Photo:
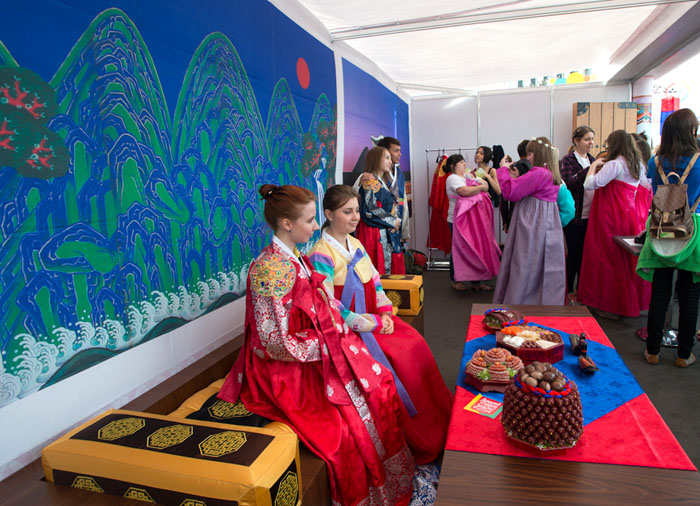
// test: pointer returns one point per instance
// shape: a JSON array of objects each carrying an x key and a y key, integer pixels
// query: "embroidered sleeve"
[
  {"x": 270, "y": 280},
  {"x": 371, "y": 209}
]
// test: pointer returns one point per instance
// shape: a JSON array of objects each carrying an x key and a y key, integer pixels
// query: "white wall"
[
  {"x": 506, "y": 118},
  {"x": 446, "y": 123}
]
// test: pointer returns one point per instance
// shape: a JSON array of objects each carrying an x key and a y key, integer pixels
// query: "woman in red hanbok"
[
  {"x": 301, "y": 365},
  {"x": 608, "y": 280},
  {"x": 367, "y": 310}
]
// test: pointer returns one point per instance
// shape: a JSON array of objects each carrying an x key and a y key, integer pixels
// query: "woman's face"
[
  {"x": 344, "y": 220},
  {"x": 479, "y": 156},
  {"x": 305, "y": 225},
  {"x": 585, "y": 143},
  {"x": 388, "y": 164},
  {"x": 530, "y": 157},
  {"x": 461, "y": 168}
]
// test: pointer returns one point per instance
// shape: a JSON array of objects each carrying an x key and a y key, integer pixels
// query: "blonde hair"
[{"x": 545, "y": 154}]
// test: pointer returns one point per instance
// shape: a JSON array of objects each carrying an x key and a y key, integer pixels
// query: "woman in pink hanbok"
[
  {"x": 621, "y": 202},
  {"x": 475, "y": 252}
]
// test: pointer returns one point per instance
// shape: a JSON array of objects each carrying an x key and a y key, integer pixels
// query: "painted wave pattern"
[
  {"x": 97, "y": 258},
  {"x": 39, "y": 360}
]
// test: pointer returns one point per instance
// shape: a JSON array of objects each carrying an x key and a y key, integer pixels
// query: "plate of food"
[{"x": 532, "y": 342}]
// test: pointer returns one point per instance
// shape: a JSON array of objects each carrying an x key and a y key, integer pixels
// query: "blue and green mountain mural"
[{"x": 157, "y": 216}]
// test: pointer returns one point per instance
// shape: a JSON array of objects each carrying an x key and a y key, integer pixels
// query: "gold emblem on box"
[
  {"x": 165, "y": 437},
  {"x": 139, "y": 494},
  {"x": 87, "y": 483},
  {"x": 288, "y": 491},
  {"x": 222, "y": 410},
  {"x": 222, "y": 443},
  {"x": 120, "y": 428},
  {"x": 394, "y": 297},
  {"x": 192, "y": 502}
]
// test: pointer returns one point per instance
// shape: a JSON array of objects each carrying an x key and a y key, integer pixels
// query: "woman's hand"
[
  {"x": 513, "y": 171},
  {"x": 387, "y": 324},
  {"x": 596, "y": 166},
  {"x": 506, "y": 160}
]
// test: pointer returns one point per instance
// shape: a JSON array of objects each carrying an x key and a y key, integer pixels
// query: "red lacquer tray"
[
  {"x": 529, "y": 355},
  {"x": 485, "y": 386}
]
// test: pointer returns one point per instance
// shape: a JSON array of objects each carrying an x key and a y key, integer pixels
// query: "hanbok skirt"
[
  {"x": 609, "y": 281},
  {"x": 533, "y": 267},
  {"x": 475, "y": 252}
]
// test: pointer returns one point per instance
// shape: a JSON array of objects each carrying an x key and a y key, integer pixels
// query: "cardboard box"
[{"x": 405, "y": 292}]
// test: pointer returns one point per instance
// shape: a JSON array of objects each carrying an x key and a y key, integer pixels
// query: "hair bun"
[{"x": 266, "y": 190}]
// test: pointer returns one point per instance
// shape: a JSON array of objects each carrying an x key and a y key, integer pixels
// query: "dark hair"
[
  {"x": 374, "y": 161},
  {"x": 678, "y": 136},
  {"x": 622, "y": 144},
  {"x": 284, "y": 202},
  {"x": 487, "y": 153},
  {"x": 386, "y": 142},
  {"x": 643, "y": 147},
  {"x": 453, "y": 160},
  {"x": 522, "y": 165},
  {"x": 522, "y": 148},
  {"x": 337, "y": 196}
]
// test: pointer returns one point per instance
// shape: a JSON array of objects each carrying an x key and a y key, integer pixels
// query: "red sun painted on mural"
[{"x": 303, "y": 73}]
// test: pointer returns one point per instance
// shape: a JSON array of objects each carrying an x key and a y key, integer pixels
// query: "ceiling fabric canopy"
[{"x": 465, "y": 46}]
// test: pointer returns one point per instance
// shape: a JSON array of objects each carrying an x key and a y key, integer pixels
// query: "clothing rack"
[{"x": 442, "y": 264}]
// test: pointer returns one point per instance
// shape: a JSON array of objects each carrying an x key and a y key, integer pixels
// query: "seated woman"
[
  {"x": 380, "y": 228},
  {"x": 475, "y": 252},
  {"x": 302, "y": 366},
  {"x": 609, "y": 281},
  {"x": 366, "y": 309},
  {"x": 532, "y": 266}
]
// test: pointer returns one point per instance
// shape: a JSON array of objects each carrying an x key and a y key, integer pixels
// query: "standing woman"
[
  {"x": 574, "y": 167},
  {"x": 482, "y": 157},
  {"x": 380, "y": 228},
  {"x": 608, "y": 280},
  {"x": 677, "y": 151},
  {"x": 475, "y": 252},
  {"x": 302, "y": 366},
  {"x": 532, "y": 266},
  {"x": 456, "y": 186},
  {"x": 367, "y": 310}
]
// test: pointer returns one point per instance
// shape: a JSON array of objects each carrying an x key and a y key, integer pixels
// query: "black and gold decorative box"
[
  {"x": 405, "y": 292},
  {"x": 171, "y": 461}
]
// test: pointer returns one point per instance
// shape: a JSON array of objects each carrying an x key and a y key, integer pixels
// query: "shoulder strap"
[
  {"x": 695, "y": 205},
  {"x": 660, "y": 170},
  {"x": 689, "y": 166}
]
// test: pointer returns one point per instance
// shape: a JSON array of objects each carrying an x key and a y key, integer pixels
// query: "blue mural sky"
[
  {"x": 171, "y": 41},
  {"x": 371, "y": 109}
]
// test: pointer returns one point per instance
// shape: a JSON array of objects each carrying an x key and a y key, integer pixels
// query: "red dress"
[
  {"x": 302, "y": 366},
  {"x": 608, "y": 279},
  {"x": 406, "y": 350}
]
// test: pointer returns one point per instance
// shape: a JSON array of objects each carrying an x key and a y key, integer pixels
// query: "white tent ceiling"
[{"x": 468, "y": 45}]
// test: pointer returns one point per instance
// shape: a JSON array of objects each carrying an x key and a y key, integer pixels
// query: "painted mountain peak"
[{"x": 157, "y": 219}]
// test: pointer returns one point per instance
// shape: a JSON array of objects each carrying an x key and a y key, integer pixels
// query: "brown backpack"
[{"x": 671, "y": 217}]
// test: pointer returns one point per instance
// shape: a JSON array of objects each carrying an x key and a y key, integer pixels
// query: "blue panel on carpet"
[{"x": 601, "y": 393}]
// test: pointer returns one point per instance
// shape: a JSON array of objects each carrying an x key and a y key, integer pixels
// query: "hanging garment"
[{"x": 440, "y": 236}]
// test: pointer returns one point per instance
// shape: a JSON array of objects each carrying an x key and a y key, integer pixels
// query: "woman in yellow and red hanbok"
[{"x": 392, "y": 342}]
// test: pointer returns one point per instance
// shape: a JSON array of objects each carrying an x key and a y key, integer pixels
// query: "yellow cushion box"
[
  {"x": 405, "y": 292},
  {"x": 177, "y": 461}
]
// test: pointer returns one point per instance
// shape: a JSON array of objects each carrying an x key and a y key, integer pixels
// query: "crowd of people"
[
  {"x": 324, "y": 352},
  {"x": 561, "y": 215}
]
